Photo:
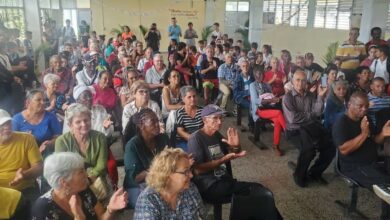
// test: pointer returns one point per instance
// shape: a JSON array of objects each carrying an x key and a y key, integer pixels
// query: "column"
[
  {"x": 255, "y": 20},
  {"x": 33, "y": 23},
  {"x": 374, "y": 15},
  {"x": 311, "y": 12},
  {"x": 209, "y": 12}
]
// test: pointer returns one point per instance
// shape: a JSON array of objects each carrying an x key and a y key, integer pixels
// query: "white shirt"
[
  {"x": 130, "y": 109},
  {"x": 379, "y": 68}
]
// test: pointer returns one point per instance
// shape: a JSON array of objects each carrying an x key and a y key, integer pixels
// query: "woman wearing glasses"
[
  {"x": 140, "y": 91},
  {"x": 140, "y": 151},
  {"x": 170, "y": 193}
]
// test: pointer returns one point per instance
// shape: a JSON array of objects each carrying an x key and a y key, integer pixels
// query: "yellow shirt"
[
  {"x": 355, "y": 50},
  {"x": 9, "y": 199},
  {"x": 21, "y": 151}
]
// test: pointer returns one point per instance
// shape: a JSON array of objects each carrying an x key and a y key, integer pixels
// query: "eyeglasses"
[
  {"x": 187, "y": 172},
  {"x": 133, "y": 78}
]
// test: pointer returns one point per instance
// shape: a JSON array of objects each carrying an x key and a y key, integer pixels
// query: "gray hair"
[
  {"x": 157, "y": 55},
  {"x": 186, "y": 89},
  {"x": 61, "y": 165},
  {"x": 31, "y": 93},
  {"x": 74, "y": 110},
  {"x": 49, "y": 78},
  {"x": 339, "y": 83}
]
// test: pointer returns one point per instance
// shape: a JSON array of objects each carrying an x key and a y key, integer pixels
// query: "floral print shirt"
[
  {"x": 189, "y": 205},
  {"x": 46, "y": 209}
]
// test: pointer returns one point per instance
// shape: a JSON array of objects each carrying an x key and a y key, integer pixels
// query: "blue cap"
[{"x": 211, "y": 110}]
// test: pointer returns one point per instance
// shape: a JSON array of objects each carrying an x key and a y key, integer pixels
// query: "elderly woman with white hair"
[
  {"x": 54, "y": 100},
  {"x": 70, "y": 197},
  {"x": 90, "y": 144},
  {"x": 65, "y": 86},
  {"x": 101, "y": 119},
  {"x": 170, "y": 193}
]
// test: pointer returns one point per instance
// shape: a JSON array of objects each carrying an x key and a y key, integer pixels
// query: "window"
[
  {"x": 237, "y": 6},
  {"x": 49, "y": 4},
  {"x": 11, "y": 3},
  {"x": 291, "y": 12},
  {"x": 12, "y": 15},
  {"x": 333, "y": 14}
]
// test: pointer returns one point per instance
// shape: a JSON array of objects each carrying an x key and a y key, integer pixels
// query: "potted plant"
[{"x": 330, "y": 53}]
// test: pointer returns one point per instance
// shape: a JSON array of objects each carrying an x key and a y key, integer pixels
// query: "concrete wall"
[
  {"x": 301, "y": 40},
  {"x": 108, "y": 14}
]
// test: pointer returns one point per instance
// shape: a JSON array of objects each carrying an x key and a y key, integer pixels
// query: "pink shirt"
[{"x": 105, "y": 97}]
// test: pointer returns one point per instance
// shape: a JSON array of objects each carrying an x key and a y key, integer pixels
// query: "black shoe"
[
  {"x": 318, "y": 179},
  {"x": 298, "y": 181},
  {"x": 257, "y": 143}
]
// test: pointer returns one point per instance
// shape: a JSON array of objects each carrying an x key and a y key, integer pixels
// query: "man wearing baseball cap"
[
  {"x": 88, "y": 75},
  {"x": 212, "y": 169},
  {"x": 20, "y": 159}
]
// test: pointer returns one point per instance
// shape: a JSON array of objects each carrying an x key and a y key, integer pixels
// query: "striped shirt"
[
  {"x": 377, "y": 103},
  {"x": 348, "y": 49},
  {"x": 189, "y": 124}
]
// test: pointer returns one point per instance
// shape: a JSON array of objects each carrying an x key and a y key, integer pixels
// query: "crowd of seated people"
[{"x": 93, "y": 90}]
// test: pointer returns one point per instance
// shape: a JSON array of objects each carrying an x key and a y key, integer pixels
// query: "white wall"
[{"x": 301, "y": 40}]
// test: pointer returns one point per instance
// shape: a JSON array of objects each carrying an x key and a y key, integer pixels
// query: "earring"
[{"x": 67, "y": 191}]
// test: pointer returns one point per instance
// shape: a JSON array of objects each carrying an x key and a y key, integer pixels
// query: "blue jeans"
[
  {"x": 133, "y": 194},
  {"x": 182, "y": 144}
]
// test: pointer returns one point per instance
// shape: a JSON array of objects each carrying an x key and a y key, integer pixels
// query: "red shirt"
[
  {"x": 277, "y": 85},
  {"x": 105, "y": 97}
]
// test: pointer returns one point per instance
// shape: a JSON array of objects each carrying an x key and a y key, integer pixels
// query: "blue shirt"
[
  {"x": 175, "y": 31},
  {"x": 228, "y": 73},
  {"x": 189, "y": 205},
  {"x": 333, "y": 109},
  {"x": 377, "y": 103},
  {"x": 255, "y": 90},
  {"x": 45, "y": 130}
]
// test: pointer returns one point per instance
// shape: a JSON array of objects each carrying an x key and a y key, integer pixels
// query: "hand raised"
[
  {"x": 75, "y": 207},
  {"x": 233, "y": 139},
  {"x": 364, "y": 125},
  {"x": 118, "y": 200},
  {"x": 321, "y": 91},
  {"x": 386, "y": 129}
]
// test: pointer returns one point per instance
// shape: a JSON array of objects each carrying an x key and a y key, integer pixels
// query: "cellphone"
[{"x": 324, "y": 81}]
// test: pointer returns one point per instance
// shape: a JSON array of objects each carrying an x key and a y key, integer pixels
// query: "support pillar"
[
  {"x": 374, "y": 15},
  {"x": 255, "y": 20}
]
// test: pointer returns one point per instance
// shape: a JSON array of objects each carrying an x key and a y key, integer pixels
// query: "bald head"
[{"x": 358, "y": 105}]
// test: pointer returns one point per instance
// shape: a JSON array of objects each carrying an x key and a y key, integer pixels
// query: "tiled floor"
[{"x": 263, "y": 166}]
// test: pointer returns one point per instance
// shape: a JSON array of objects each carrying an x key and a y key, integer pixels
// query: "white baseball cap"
[{"x": 4, "y": 117}]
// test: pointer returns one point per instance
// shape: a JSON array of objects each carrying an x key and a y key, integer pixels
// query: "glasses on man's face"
[
  {"x": 133, "y": 78},
  {"x": 186, "y": 172},
  {"x": 143, "y": 91}
]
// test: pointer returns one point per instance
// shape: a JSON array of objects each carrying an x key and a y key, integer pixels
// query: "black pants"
[
  {"x": 312, "y": 138},
  {"x": 223, "y": 190},
  {"x": 369, "y": 175}
]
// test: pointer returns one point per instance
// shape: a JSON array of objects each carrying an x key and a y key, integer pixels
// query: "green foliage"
[
  {"x": 206, "y": 31},
  {"x": 116, "y": 31},
  {"x": 143, "y": 29},
  {"x": 330, "y": 53},
  {"x": 245, "y": 35}
]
